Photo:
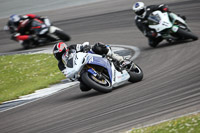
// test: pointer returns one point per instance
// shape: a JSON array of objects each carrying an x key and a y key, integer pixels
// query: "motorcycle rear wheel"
[
  {"x": 89, "y": 81},
  {"x": 27, "y": 44}
]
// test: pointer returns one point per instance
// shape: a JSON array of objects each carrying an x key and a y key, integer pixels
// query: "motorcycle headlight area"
[{"x": 154, "y": 19}]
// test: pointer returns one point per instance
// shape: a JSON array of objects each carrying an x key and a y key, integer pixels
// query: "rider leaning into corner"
[
  {"x": 19, "y": 26},
  {"x": 62, "y": 53},
  {"x": 142, "y": 13}
]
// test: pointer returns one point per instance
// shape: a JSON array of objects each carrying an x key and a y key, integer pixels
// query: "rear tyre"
[
  {"x": 27, "y": 44},
  {"x": 62, "y": 35},
  {"x": 89, "y": 80},
  {"x": 136, "y": 74},
  {"x": 186, "y": 35}
]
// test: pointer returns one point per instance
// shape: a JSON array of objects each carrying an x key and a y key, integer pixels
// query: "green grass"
[
  {"x": 186, "y": 124},
  {"x": 23, "y": 74}
]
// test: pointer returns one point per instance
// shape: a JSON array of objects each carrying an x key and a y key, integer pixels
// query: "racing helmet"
[
  {"x": 59, "y": 50},
  {"x": 15, "y": 19},
  {"x": 139, "y": 8}
]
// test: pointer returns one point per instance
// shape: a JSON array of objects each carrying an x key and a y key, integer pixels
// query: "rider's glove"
[
  {"x": 86, "y": 46},
  {"x": 183, "y": 17},
  {"x": 164, "y": 8}
]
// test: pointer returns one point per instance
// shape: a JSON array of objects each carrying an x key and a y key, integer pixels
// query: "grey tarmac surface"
[{"x": 170, "y": 86}]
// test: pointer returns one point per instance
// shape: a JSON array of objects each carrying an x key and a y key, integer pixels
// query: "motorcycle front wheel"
[
  {"x": 136, "y": 74},
  {"x": 186, "y": 34},
  {"x": 84, "y": 87},
  {"x": 62, "y": 35},
  {"x": 103, "y": 85}
]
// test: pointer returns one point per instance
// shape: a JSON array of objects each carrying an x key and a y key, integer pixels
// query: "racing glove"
[
  {"x": 182, "y": 16},
  {"x": 84, "y": 47},
  {"x": 163, "y": 8}
]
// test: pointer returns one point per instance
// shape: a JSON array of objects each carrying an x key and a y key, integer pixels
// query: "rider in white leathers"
[{"x": 62, "y": 52}]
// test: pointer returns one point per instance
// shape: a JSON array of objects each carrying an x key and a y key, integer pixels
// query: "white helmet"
[{"x": 139, "y": 8}]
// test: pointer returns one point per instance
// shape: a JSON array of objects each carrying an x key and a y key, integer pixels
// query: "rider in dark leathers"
[
  {"x": 20, "y": 26},
  {"x": 142, "y": 13}
]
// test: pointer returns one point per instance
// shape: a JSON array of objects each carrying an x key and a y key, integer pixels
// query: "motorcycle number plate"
[{"x": 174, "y": 28}]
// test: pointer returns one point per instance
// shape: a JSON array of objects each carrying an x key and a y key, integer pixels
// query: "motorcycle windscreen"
[
  {"x": 103, "y": 62},
  {"x": 38, "y": 27},
  {"x": 153, "y": 19},
  {"x": 159, "y": 21}
]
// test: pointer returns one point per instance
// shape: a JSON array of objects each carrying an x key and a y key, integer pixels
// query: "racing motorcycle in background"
[
  {"x": 44, "y": 32},
  {"x": 100, "y": 73},
  {"x": 170, "y": 26}
]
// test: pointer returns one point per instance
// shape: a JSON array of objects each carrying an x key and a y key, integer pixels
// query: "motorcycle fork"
[{"x": 94, "y": 72}]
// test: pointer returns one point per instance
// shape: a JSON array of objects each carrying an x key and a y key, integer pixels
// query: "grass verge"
[
  {"x": 186, "y": 124},
  {"x": 23, "y": 74}
]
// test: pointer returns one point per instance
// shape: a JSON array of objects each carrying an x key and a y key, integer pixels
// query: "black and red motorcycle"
[{"x": 43, "y": 32}]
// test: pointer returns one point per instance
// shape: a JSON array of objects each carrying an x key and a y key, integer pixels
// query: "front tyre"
[
  {"x": 186, "y": 34},
  {"x": 62, "y": 35},
  {"x": 103, "y": 86},
  {"x": 84, "y": 87},
  {"x": 136, "y": 74}
]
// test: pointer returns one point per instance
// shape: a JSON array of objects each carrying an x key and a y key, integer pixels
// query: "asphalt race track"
[{"x": 170, "y": 86}]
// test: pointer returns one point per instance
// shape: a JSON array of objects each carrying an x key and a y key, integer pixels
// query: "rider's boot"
[
  {"x": 114, "y": 56},
  {"x": 122, "y": 63},
  {"x": 126, "y": 64}
]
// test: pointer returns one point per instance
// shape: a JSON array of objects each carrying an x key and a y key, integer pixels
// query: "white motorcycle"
[
  {"x": 100, "y": 73},
  {"x": 170, "y": 26}
]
